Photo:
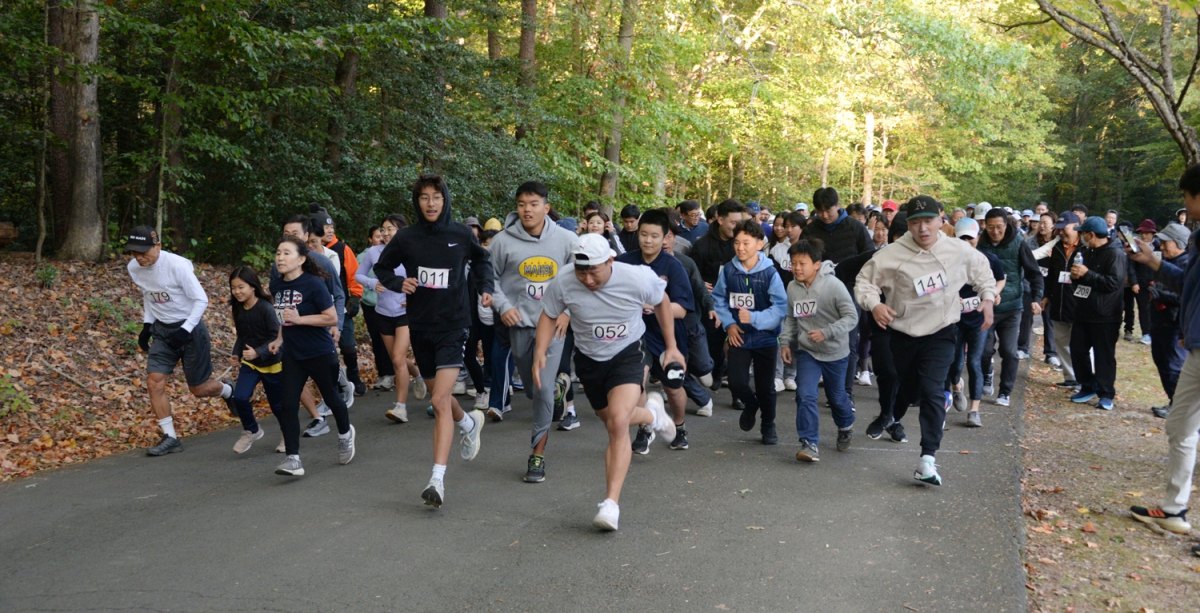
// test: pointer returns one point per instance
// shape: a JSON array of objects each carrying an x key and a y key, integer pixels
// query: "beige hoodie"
[{"x": 902, "y": 272}]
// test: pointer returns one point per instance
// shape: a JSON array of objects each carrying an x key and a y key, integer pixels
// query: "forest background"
[{"x": 214, "y": 119}]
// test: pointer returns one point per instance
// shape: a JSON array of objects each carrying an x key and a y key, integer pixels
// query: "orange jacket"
[{"x": 349, "y": 267}]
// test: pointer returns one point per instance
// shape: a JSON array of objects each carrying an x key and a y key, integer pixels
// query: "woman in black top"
[
  {"x": 305, "y": 311},
  {"x": 256, "y": 326}
]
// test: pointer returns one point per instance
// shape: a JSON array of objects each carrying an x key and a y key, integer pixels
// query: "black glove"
[
  {"x": 144, "y": 337},
  {"x": 352, "y": 307},
  {"x": 178, "y": 338}
]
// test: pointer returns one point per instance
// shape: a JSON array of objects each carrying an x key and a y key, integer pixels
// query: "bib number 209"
[
  {"x": 433, "y": 278},
  {"x": 610, "y": 332}
]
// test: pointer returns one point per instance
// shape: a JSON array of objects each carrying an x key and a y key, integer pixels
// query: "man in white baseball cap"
[{"x": 981, "y": 211}]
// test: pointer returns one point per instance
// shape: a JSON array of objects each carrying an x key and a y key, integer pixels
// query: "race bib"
[
  {"x": 1064, "y": 277},
  {"x": 610, "y": 332},
  {"x": 1045, "y": 271},
  {"x": 804, "y": 308},
  {"x": 433, "y": 278},
  {"x": 930, "y": 284},
  {"x": 1083, "y": 291},
  {"x": 159, "y": 297},
  {"x": 970, "y": 305},
  {"x": 535, "y": 291},
  {"x": 741, "y": 301}
]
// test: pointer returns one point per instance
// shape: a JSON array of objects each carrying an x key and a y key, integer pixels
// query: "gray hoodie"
[
  {"x": 525, "y": 264},
  {"x": 825, "y": 306}
]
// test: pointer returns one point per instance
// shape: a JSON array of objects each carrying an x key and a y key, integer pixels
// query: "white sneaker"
[
  {"x": 398, "y": 413},
  {"x": 864, "y": 378},
  {"x": 607, "y": 518},
  {"x": 471, "y": 392},
  {"x": 706, "y": 380},
  {"x": 323, "y": 409},
  {"x": 460, "y": 388},
  {"x": 435, "y": 493},
  {"x": 281, "y": 447},
  {"x": 706, "y": 410},
  {"x": 927, "y": 471},
  {"x": 347, "y": 387},
  {"x": 470, "y": 439},
  {"x": 779, "y": 385},
  {"x": 789, "y": 385},
  {"x": 419, "y": 389},
  {"x": 1022, "y": 355},
  {"x": 663, "y": 424},
  {"x": 481, "y": 401},
  {"x": 385, "y": 383},
  {"x": 246, "y": 440}
]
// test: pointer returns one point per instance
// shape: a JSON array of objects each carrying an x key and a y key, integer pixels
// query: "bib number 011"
[{"x": 433, "y": 278}]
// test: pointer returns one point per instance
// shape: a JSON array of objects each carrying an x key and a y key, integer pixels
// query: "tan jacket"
[{"x": 902, "y": 271}]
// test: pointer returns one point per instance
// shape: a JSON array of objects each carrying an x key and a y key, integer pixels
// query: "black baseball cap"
[
  {"x": 141, "y": 239},
  {"x": 923, "y": 206}
]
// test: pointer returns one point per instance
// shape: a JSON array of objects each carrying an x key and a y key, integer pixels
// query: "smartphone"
[{"x": 1127, "y": 234}]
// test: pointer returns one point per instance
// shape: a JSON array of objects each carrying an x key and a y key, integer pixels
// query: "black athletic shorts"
[
  {"x": 598, "y": 378},
  {"x": 388, "y": 324},
  {"x": 437, "y": 350},
  {"x": 196, "y": 355}
]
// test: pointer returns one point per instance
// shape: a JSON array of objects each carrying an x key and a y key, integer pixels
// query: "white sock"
[
  {"x": 344, "y": 437},
  {"x": 439, "y": 472},
  {"x": 570, "y": 410},
  {"x": 295, "y": 457},
  {"x": 226, "y": 390},
  {"x": 466, "y": 423},
  {"x": 168, "y": 426}
]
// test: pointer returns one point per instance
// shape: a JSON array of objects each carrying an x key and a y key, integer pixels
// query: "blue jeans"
[
  {"x": 699, "y": 362},
  {"x": 1168, "y": 356},
  {"x": 503, "y": 367},
  {"x": 247, "y": 380},
  {"x": 808, "y": 371},
  {"x": 971, "y": 340}
]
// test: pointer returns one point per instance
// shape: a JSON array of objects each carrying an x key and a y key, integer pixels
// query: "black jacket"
[
  {"x": 1164, "y": 303},
  {"x": 1062, "y": 299},
  {"x": 849, "y": 237},
  {"x": 711, "y": 252},
  {"x": 256, "y": 329},
  {"x": 1105, "y": 299},
  {"x": 701, "y": 295},
  {"x": 445, "y": 246},
  {"x": 1018, "y": 261},
  {"x": 629, "y": 240}
]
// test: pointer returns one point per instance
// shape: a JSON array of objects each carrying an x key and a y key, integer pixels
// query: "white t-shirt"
[
  {"x": 170, "y": 291},
  {"x": 609, "y": 319}
]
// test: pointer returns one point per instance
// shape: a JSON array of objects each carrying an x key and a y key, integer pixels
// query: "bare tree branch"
[
  {"x": 1012, "y": 26},
  {"x": 1191, "y": 73}
]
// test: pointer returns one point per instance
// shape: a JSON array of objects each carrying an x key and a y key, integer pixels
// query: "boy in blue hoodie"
[{"x": 751, "y": 302}]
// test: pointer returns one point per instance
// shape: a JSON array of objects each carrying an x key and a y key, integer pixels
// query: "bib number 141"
[{"x": 929, "y": 284}]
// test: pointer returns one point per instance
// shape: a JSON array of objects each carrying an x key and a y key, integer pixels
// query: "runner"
[
  {"x": 256, "y": 325},
  {"x": 438, "y": 250},
  {"x": 751, "y": 302},
  {"x": 913, "y": 273},
  {"x": 653, "y": 228},
  {"x": 1002, "y": 239},
  {"x": 971, "y": 335},
  {"x": 712, "y": 251},
  {"x": 820, "y": 316},
  {"x": 173, "y": 305},
  {"x": 525, "y": 258},
  {"x": 606, "y": 299},
  {"x": 699, "y": 364},
  {"x": 306, "y": 310},
  {"x": 347, "y": 271},
  {"x": 386, "y": 373},
  {"x": 793, "y": 223}
]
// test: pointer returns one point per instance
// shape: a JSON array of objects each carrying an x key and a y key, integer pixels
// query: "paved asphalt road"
[{"x": 729, "y": 525}]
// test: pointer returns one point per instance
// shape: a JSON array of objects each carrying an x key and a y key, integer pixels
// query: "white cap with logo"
[{"x": 592, "y": 250}]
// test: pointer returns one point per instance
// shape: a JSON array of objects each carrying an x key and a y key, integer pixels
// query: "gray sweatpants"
[
  {"x": 1182, "y": 423},
  {"x": 523, "y": 342},
  {"x": 1062, "y": 342}
]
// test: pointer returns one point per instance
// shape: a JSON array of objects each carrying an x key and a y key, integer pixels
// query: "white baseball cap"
[
  {"x": 592, "y": 250},
  {"x": 981, "y": 210}
]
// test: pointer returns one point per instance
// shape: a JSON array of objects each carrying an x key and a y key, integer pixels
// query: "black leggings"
[
  {"x": 383, "y": 362},
  {"x": 323, "y": 370},
  {"x": 479, "y": 333}
]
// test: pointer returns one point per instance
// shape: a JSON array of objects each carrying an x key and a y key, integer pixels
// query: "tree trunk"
[
  {"x": 660, "y": 172},
  {"x": 493, "y": 36},
  {"x": 170, "y": 123},
  {"x": 58, "y": 166},
  {"x": 85, "y": 232},
  {"x": 729, "y": 194},
  {"x": 346, "y": 80},
  {"x": 612, "y": 145},
  {"x": 868, "y": 159},
  {"x": 883, "y": 161},
  {"x": 825, "y": 168},
  {"x": 47, "y": 75},
  {"x": 526, "y": 55}
]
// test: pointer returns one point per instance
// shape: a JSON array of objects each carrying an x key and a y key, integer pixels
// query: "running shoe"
[
  {"x": 738, "y": 405},
  {"x": 664, "y": 425},
  {"x": 290, "y": 467},
  {"x": 706, "y": 410},
  {"x": 347, "y": 388},
  {"x": 863, "y": 378},
  {"x": 472, "y": 392},
  {"x": 927, "y": 471},
  {"x": 876, "y": 428},
  {"x": 947, "y": 400},
  {"x": 536, "y": 470},
  {"x": 1174, "y": 522},
  {"x": 316, "y": 428},
  {"x": 1161, "y": 412},
  {"x": 470, "y": 439},
  {"x": 606, "y": 518},
  {"x": 1145, "y": 339},
  {"x": 987, "y": 386},
  {"x": 481, "y": 401},
  {"x": 960, "y": 398},
  {"x": 323, "y": 409},
  {"x": 641, "y": 442},
  {"x": 808, "y": 452},
  {"x": 1022, "y": 355},
  {"x": 166, "y": 444},
  {"x": 281, "y": 447},
  {"x": 746, "y": 421},
  {"x": 246, "y": 440},
  {"x": 569, "y": 422},
  {"x": 517, "y": 383},
  {"x": 779, "y": 386},
  {"x": 385, "y": 383},
  {"x": 1055, "y": 363},
  {"x": 1129, "y": 336},
  {"x": 419, "y": 389},
  {"x": 1003, "y": 400},
  {"x": 1081, "y": 397},
  {"x": 561, "y": 384},
  {"x": 789, "y": 385},
  {"x": 1105, "y": 404},
  {"x": 680, "y": 443},
  {"x": 460, "y": 388},
  {"x": 1070, "y": 386},
  {"x": 973, "y": 420},
  {"x": 768, "y": 435},
  {"x": 843, "y": 439},
  {"x": 229, "y": 404},
  {"x": 715, "y": 383},
  {"x": 493, "y": 414},
  {"x": 398, "y": 413},
  {"x": 706, "y": 380},
  {"x": 360, "y": 388},
  {"x": 434, "y": 494},
  {"x": 897, "y": 432},
  {"x": 346, "y": 447}
]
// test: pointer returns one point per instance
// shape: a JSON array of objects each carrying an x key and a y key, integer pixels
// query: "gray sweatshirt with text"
[
  {"x": 525, "y": 264},
  {"x": 825, "y": 306}
]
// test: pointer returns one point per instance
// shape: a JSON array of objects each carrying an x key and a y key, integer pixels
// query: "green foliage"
[
  {"x": 12, "y": 399},
  {"x": 47, "y": 275},
  {"x": 259, "y": 257}
]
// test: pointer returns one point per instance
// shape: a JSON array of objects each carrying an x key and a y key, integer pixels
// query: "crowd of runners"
[{"x": 912, "y": 299}]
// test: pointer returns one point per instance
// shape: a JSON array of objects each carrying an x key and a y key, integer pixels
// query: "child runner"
[
  {"x": 391, "y": 317},
  {"x": 606, "y": 299},
  {"x": 305, "y": 310},
  {"x": 435, "y": 253},
  {"x": 256, "y": 325},
  {"x": 821, "y": 315},
  {"x": 173, "y": 303},
  {"x": 751, "y": 302},
  {"x": 386, "y": 374}
]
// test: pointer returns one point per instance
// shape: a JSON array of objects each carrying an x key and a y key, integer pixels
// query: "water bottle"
[{"x": 1078, "y": 261}]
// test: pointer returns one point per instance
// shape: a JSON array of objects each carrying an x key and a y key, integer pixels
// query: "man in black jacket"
[
  {"x": 711, "y": 252},
  {"x": 1003, "y": 240},
  {"x": 1099, "y": 282}
]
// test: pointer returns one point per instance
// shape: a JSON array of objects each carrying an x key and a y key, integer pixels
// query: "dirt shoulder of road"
[{"x": 1084, "y": 467}]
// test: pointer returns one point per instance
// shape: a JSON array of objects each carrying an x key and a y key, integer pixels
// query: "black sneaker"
[
  {"x": 680, "y": 443},
  {"x": 738, "y": 405},
  {"x": 746, "y": 421},
  {"x": 569, "y": 422},
  {"x": 360, "y": 388},
  {"x": 1072, "y": 385},
  {"x": 875, "y": 430},
  {"x": 897, "y": 432},
  {"x": 1196, "y": 551},
  {"x": 536, "y": 473},
  {"x": 167, "y": 444},
  {"x": 768, "y": 435},
  {"x": 229, "y": 401},
  {"x": 843, "y": 440},
  {"x": 716, "y": 383},
  {"x": 641, "y": 442},
  {"x": 1161, "y": 412}
]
